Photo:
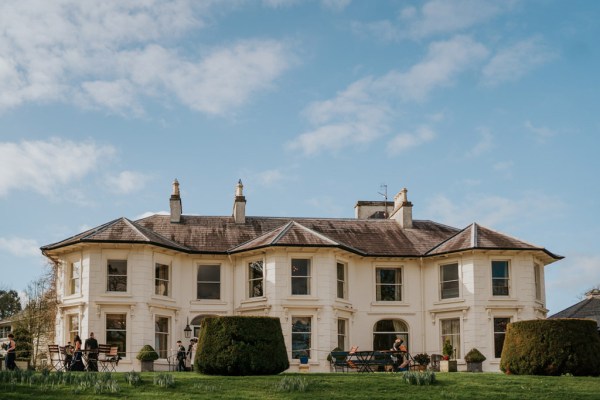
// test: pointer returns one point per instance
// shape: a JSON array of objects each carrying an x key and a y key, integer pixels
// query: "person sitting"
[{"x": 68, "y": 355}]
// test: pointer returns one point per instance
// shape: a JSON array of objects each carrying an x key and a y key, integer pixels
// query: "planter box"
[
  {"x": 448, "y": 366},
  {"x": 474, "y": 367},
  {"x": 147, "y": 366}
]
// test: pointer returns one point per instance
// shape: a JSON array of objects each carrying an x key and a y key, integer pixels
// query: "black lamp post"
[{"x": 187, "y": 330}]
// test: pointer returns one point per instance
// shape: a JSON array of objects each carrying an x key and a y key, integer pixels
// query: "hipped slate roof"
[
  {"x": 588, "y": 308},
  {"x": 372, "y": 237}
]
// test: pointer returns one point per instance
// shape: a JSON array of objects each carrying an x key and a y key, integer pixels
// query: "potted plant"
[
  {"x": 422, "y": 360},
  {"x": 474, "y": 360},
  {"x": 303, "y": 357},
  {"x": 147, "y": 355},
  {"x": 448, "y": 365}
]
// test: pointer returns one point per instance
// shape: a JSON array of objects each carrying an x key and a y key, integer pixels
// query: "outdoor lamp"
[{"x": 187, "y": 330}]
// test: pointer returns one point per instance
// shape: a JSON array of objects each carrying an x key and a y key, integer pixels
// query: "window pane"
[
  {"x": 301, "y": 336},
  {"x": 256, "y": 270},
  {"x": 451, "y": 331},
  {"x": 116, "y": 332},
  {"x": 450, "y": 272},
  {"x": 449, "y": 285},
  {"x": 116, "y": 276},
  {"x": 209, "y": 273},
  {"x": 161, "y": 336},
  {"x": 499, "y": 334},
  {"x": 300, "y": 286},
  {"x": 209, "y": 282},
  {"x": 386, "y": 331},
  {"x": 387, "y": 276},
  {"x": 209, "y": 291},
  {"x": 499, "y": 269},
  {"x": 341, "y": 272},
  {"x": 255, "y": 279}
]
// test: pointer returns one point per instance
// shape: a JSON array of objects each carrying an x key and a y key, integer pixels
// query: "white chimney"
[
  {"x": 402, "y": 210},
  {"x": 175, "y": 203},
  {"x": 239, "y": 204}
]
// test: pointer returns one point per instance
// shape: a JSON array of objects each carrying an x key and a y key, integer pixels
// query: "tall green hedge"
[
  {"x": 241, "y": 346},
  {"x": 552, "y": 347}
]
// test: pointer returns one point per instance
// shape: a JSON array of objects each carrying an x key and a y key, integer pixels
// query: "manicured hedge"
[
  {"x": 241, "y": 346},
  {"x": 552, "y": 347}
]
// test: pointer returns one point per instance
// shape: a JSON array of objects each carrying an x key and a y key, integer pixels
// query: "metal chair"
[
  {"x": 55, "y": 360},
  {"x": 108, "y": 360}
]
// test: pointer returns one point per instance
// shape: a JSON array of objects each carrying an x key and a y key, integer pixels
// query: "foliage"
[
  {"x": 329, "y": 355},
  {"x": 334, "y": 386},
  {"x": 422, "y": 359},
  {"x": 10, "y": 304},
  {"x": 292, "y": 384},
  {"x": 474, "y": 356},
  {"x": 147, "y": 353},
  {"x": 424, "y": 378},
  {"x": 448, "y": 349},
  {"x": 241, "y": 346},
  {"x": 552, "y": 347},
  {"x": 23, "y": 342},
  {"x": 164, "y": 380},
  {"x": 133, "y": 378}
]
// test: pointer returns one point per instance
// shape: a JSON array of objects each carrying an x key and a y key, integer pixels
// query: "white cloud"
[
  {"x": 448, "y": 16},
  {"x": 512, "y": 63},
  {"x": 363, "y": 111},
  {"x": 127, "y": 182},
  {"x": 114, "y": 54},
  {"x": 19, "y": 247},
  {"x": 406, "y": 141},
  {"x": 335, "y": 5},
  {"x": 492, "y": 210},
  {"x": 150, "y": 213},
  {"x": 567, "y": 281},
  {"x": 43, "y": 166},
  {"x": 541, "y": 133},
  {"x": 485, "y": 143},
  {"x": 270, "y": 177}
]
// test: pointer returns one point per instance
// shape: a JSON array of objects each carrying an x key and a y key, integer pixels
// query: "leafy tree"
[{"x": 10, "y": 304}]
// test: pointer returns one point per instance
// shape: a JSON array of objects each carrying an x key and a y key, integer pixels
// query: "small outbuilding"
[{"x": 588, "y": 308}]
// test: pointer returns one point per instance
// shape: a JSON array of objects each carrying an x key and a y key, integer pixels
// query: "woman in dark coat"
[{"x": 77, "y": 363}]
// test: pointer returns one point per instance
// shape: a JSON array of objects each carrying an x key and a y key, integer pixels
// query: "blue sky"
[{"x": 486, "y": 111}]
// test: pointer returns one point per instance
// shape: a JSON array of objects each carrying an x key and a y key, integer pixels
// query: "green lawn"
[{"x": 322, "y": 386}]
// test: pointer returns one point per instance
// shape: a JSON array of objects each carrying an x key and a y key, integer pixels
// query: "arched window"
[
  {"x": 196, "y": 323},
  {"x": 386, "y": 331}
]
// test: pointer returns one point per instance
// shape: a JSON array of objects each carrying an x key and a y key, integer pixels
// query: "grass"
[{"x": 316, "y": 386}]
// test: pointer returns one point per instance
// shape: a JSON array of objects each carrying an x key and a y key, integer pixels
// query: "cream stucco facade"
[{"x": 326, "y": 296}]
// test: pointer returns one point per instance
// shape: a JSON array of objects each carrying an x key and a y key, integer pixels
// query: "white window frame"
[
  {"x": 494, "y": 318},
  {"x": 73, "y": 282},
  {"x": 71, "y": 332},
  {"x": 166, "y": 282},
  {"x": 400, "y": 286},
  {"x": 456, "y": 341},
  {"x": 122, "y": 353},
  {"x": 507, "y": 279},
  {"x": 537, "y": 279},
  {"x": 167, "y": 336},
  {"x": 307, "y": 278},
  {"x": 251, "y": 281},
  {"x": 442, "y": 281},
  {"x": 343, "y": 282},
  {"x": 297, "y": 353},
  {"x": 108, "y": 276},
  {"x": 219, "y": 282}
]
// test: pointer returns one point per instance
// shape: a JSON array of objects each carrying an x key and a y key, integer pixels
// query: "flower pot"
[
  {"x": 303, "y": 359},
  {"x": 474, "y": 367},
  {"x": 448, "y": 366},
  {"x": 148, "y": 366}
]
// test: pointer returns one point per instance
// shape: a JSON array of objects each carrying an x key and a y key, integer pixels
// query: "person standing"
[
  {"x": 11, "y": 352},
  {"x": 91, "y": 346},
  {"x": 180, "y": 356},
  {"x": 68, "y": 355},
  {"x": 77, "y": 364}
]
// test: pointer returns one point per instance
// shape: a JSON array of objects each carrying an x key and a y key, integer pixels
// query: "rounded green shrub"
[
  {"x": 551, "y": 347},
  {"x": 147, "y": 353},
  {"x": 241, "y": 346}
]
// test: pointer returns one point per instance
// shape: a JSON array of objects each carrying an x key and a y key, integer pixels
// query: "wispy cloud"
[
  {"x": 406, "y": 141},
  {"x": 485, "y": 143},
  {"x": 19, "y": 247},
  {"x": 541, "y": 133},
  {"x": 567, "y": 282},
  {"x": 117, "y": 55},
  {"x": 492, "y": 210},
  {"x": 127, "y": 182},
  {"x": 513, "y": 62},
  {"x": 46, "y": 166},
  {"x": 335, "y": 5},
  {"x": 364, "y": 111},
  {"x": 435, "y": 17},
  {"x": 270, "y": 177}
]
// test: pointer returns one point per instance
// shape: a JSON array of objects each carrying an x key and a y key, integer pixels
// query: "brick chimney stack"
[
  {"x": 175, "y": 203},
  {"x": 239, "y": 204}
]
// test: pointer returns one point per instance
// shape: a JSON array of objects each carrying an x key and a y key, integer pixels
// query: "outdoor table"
[{"x": 364, "y": 359}]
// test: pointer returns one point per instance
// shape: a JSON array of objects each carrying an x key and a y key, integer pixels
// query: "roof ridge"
[
  {"x": 133, "y": 226},
  {"x": 143, "y": 228},
  {"x": 286, "y": 228},
  {"x": 445, "y": 241},
  {"x": 318, "y": 234},
  {"x": 258, "y": 237}
]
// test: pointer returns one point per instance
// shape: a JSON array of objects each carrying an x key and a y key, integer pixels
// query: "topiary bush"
[
  {"x": 551, "y": 347},
  {"x": 241, "y": 346}
]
